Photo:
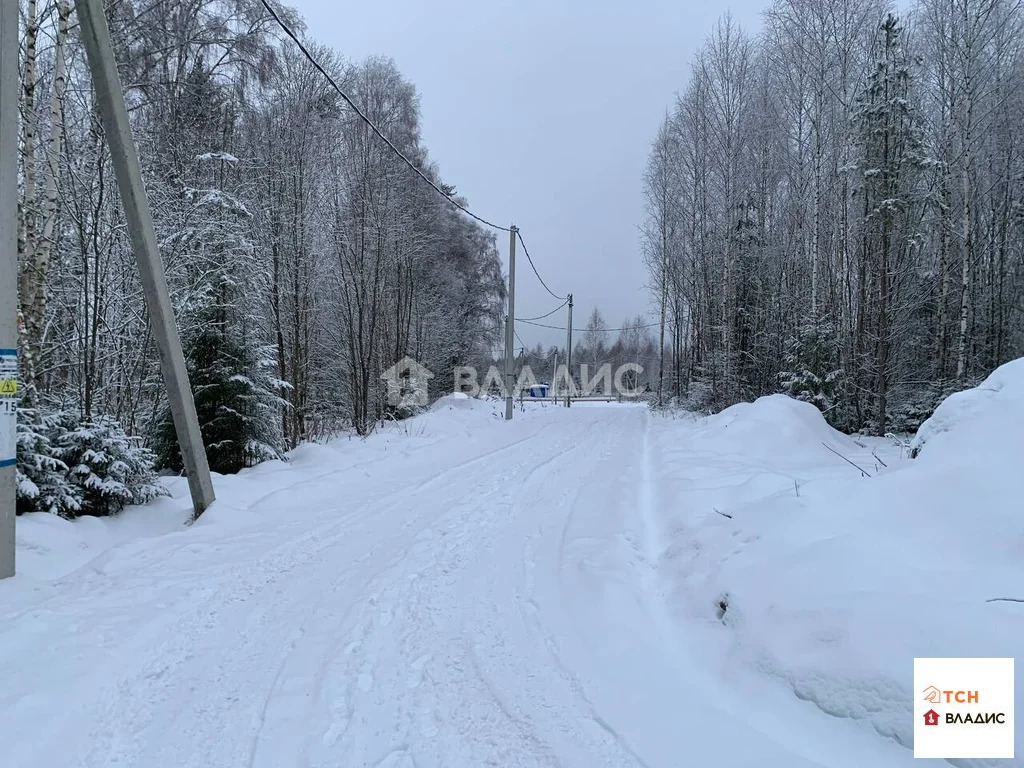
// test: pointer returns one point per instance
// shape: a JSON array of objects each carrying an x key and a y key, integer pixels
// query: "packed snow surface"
[{"x": 580, "y": 587}]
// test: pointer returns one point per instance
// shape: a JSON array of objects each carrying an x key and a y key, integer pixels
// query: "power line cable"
[
  {"x": 541, "y": 317},
  {"x": 287, "y": 30},
  {"x": 542, "y": 356},
  {"x": 550, "y": 353},
  {"x": 534, "y": 268},
  {"x": 312, "y": 60},
  {"x": 587, "y": 330}
]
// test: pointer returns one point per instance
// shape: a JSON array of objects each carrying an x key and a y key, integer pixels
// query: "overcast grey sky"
[{"x": 541, "y": 112}]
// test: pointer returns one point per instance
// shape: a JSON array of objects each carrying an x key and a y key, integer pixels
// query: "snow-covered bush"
[
  {"x": 405, "y": 410},
  {"x": 911, "y": 411},
  {"x": 699, "y": 396},
  {"x": 70, "y": 467},
  {"x": 43, "y": 484}
]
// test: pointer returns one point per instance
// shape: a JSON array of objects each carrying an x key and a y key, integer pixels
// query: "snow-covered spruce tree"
[
  {"x": 238, "y": 409},
  {"x": 813, "y": 372},
  {"x": 43, "y": 484},
  {"x": 110, "y": 469},
  {"x": 891, "y": 153},
  {"x": 70, "y": 467},
  {"x": 229, "y": 366}
]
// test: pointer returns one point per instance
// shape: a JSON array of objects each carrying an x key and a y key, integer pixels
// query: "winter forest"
[
  {"x": 772, "y": 508},
  {"x": 302, "y": 258},
  {"x": 834, "y": 208}
]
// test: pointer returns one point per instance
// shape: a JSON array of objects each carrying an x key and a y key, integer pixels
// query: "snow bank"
[
  {"x": 775, "y": 428},
  {"x": 833, "y": 586},
  {"x": 460, "y": 401},
  {"x": 50, "y": 548},
  {"x": 977, "y": 412},
  {"x": 452, "y": 414}
]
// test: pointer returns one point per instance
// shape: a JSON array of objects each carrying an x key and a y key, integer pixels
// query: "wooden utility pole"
[
  {"x": 8, "y": 278},
  {"x": 125, "y": 158}
]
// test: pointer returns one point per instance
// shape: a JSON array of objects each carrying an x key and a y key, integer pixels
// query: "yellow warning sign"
[{"x": 8, "y": 386}]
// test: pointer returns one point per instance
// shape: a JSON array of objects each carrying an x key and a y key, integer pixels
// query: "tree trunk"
[
  {"x": 35, "y": 318},
  {"x": 27, "y": 235}
]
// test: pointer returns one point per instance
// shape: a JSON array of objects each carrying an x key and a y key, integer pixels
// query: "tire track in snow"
[
  {"x": 189, "y": 622},
  {"x": 358, "y": 670},
  {"x": 466, "y": 636},
  {"x": 624, "y": 754},
  {"x": 394, "y": 600},
  {"x": 257, "y": 662}
]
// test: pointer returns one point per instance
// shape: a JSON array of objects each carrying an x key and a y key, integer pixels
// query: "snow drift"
[
  {"x": 776, "y": 428},
  {"x": 979, "y": 414},
  {"x": 832, "y": 586}
]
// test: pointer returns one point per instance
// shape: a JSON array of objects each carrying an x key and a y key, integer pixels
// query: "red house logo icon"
[{"x": 931, "y": 717}]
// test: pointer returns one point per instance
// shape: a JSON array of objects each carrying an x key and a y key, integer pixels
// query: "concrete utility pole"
[
  {"x": 8, "y": 277},
  {"x": 510, "y": 331},
  {"x": 568, "y": 358},
  {"x": 554, "y": 378},
  {"x": 123, "y": 154}
]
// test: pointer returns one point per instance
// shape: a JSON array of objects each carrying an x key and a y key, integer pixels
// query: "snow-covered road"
[{"x": 486, "y": 594}]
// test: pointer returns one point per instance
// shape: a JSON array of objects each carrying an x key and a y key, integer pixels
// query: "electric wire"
[
  {"x": 541, "y": 317},
  {"x": 588, "y": 330},
  {"x": 312, "y": 60},
  {"x": 534, "y": 268},
  {"x": 355, "y": 108}
]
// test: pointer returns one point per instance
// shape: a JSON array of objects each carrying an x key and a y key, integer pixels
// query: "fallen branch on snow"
[{"x": 837, "y": 453}]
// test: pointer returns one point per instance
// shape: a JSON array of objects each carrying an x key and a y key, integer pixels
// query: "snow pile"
[
  {"x": 456, "y": 413},
  {"x": 979, "y": 413},
  {"x": 749, "y": 452},
  {"x": 833, "y": 586},
  {"x": 776, "y": 428},
  {"x": 458, "y": 400},
  {"x": 48, "y": 546}
]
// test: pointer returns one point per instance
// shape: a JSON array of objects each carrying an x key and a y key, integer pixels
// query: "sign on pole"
[{"x": 8, "y": 406}]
